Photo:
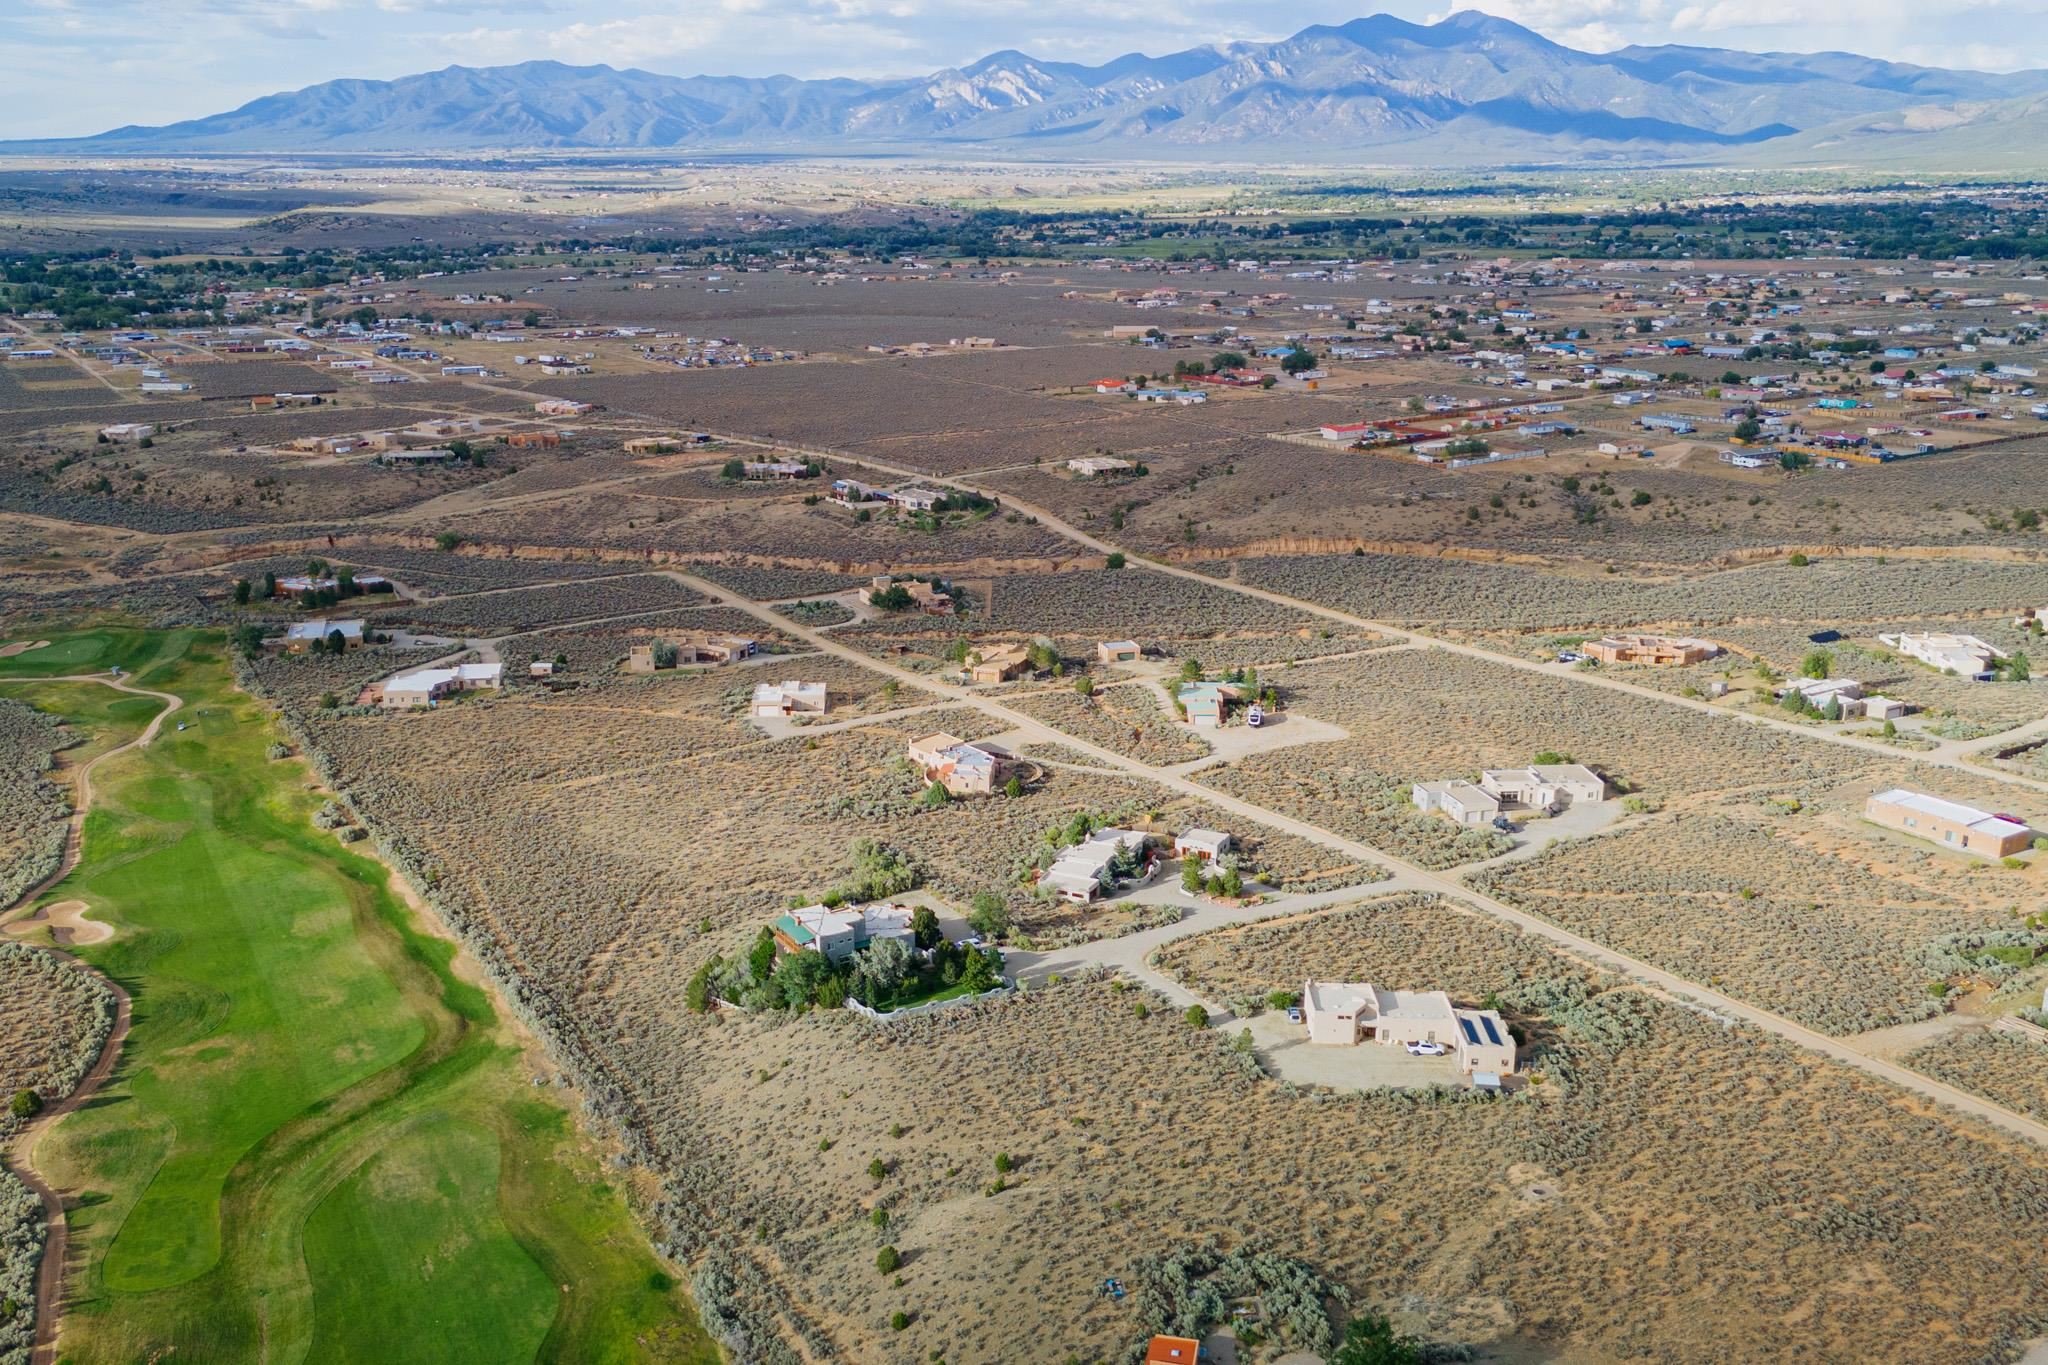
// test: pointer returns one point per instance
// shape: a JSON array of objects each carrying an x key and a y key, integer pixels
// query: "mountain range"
[{"x": 1471, "y": 89}]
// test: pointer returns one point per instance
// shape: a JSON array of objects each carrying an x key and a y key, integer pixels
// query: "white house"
[
  {"x": 1093, "y": 466},
  {"x": 1346, "y": 1013},
  {"x": 1964, "y": 655},
  {"x": 1082, "y": 873},
  {"x": 1466, "y": 803},
  {"x": 1545, "y": 786},
  {"x": 426, "y": 686},
  {"x": 789, "y": 699},
  {"x": 1206, "y": 844},
  {"x": 1847, "y": 695}
]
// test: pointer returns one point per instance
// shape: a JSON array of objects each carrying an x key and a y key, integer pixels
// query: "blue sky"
[{"x": 80, "y": 66}]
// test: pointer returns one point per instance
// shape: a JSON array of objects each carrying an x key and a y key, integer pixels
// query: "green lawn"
[
  {"x": 92, "y": 651},
  {"x": 364, "y": 1246},
  {"x": 320, "y": 1144}
]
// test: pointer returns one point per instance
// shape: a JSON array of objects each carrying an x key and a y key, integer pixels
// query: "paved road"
[
  {"x": 21, "y": 1155},
  {"x": 1403, "y": 875}
]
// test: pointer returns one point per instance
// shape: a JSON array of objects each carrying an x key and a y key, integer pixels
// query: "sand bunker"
[
  {"x": 21, "y": 647},
  {"x": 67, "y": 924}
]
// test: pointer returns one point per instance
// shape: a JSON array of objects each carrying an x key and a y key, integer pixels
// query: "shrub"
[
  {"x": 1371, "y": 1340},
  {"x": 26, "y": 1104},
  {"x": 1003, "y": 1163},
  {"x": 899, "y": 1320},
  {"x": 1196, "y": 1016},
  {"x": 887, "y": 1259},
  {"x": 1116, "y": 560},
  {"x": 989, "y": 916}
]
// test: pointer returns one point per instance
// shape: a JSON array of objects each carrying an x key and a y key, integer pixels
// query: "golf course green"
[{"x": 322, "y": 1142}]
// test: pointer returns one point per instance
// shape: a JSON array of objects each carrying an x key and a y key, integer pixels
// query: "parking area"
[{"x": 1289, "y": 1055}]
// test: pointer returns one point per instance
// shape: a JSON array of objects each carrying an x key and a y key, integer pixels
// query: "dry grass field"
[
  {"x": 1404, "y": 942},
  {"x": 1999, "y": 1066},
  {"x": 33, "y": 809},
  {"x": 1128, "y": 720},
  {"x": 54, "y": 1018},
  {"x": 1423, "y": 591},
  {"x": 1559, "y": 1217},
  {"x": 1813, "y": 920},
  {"x": 515, "y": 611}
]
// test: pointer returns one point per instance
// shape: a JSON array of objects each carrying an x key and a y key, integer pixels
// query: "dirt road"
[{"x": 1404, "y": 875}]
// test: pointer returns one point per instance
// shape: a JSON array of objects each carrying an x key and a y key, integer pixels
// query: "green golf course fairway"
[{"x": 321, "y": 1143}]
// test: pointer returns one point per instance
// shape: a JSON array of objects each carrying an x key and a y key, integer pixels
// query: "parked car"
[
  {"x": 1570, "y": 656},
  {"x": 1294, "y": 1014},
  {"x": 1425, "y": 1049}
]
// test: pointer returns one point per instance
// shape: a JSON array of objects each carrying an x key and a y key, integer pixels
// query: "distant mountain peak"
[{"x": 1470, "y": 88}]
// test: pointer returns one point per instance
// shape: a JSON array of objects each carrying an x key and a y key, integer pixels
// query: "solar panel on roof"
[
  {"x": 1492, "y": 1034},
  {"x": 1471, "y": 1034}
]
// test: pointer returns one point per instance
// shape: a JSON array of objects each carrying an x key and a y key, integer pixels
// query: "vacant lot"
[
  {"x": 2003, "y": 1067},
  {"x": 1825, "y": 926},
  {"x": 1128, "y": 720},
  {"x": 521, "y": 609},
  {"x": 1425, "y": 591},
  {"x": 1403, "y": 942}
]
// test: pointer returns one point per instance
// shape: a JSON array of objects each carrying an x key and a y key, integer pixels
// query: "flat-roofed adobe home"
[
  {"x": 923, "y": 596},
  {"x": 1094, "y": 466},
  {"x": 1206, "y": 704},
  {"x": 963, "y": 769},
  {"x": 999, "y": 664},
  {"x": 1966, "y": 656},
  {"x": 1949, "y": 823},
  {"x": 1463, "y": 802},
  {"x": 426, "y": 686},
  {"x": 688, "y": 650},
  {"x": 1545, "y": 786},
  {"x": 301, "y": 636},
  {"x": 1118, "y": 652},
  {"x": 785, "y": 699},
  {"x": 1346, "y": 1013},
  {"x": 1655, "y": 651},
  {"x": 1089, "y": 868},
  {"x": 1206, "y": 844}
]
